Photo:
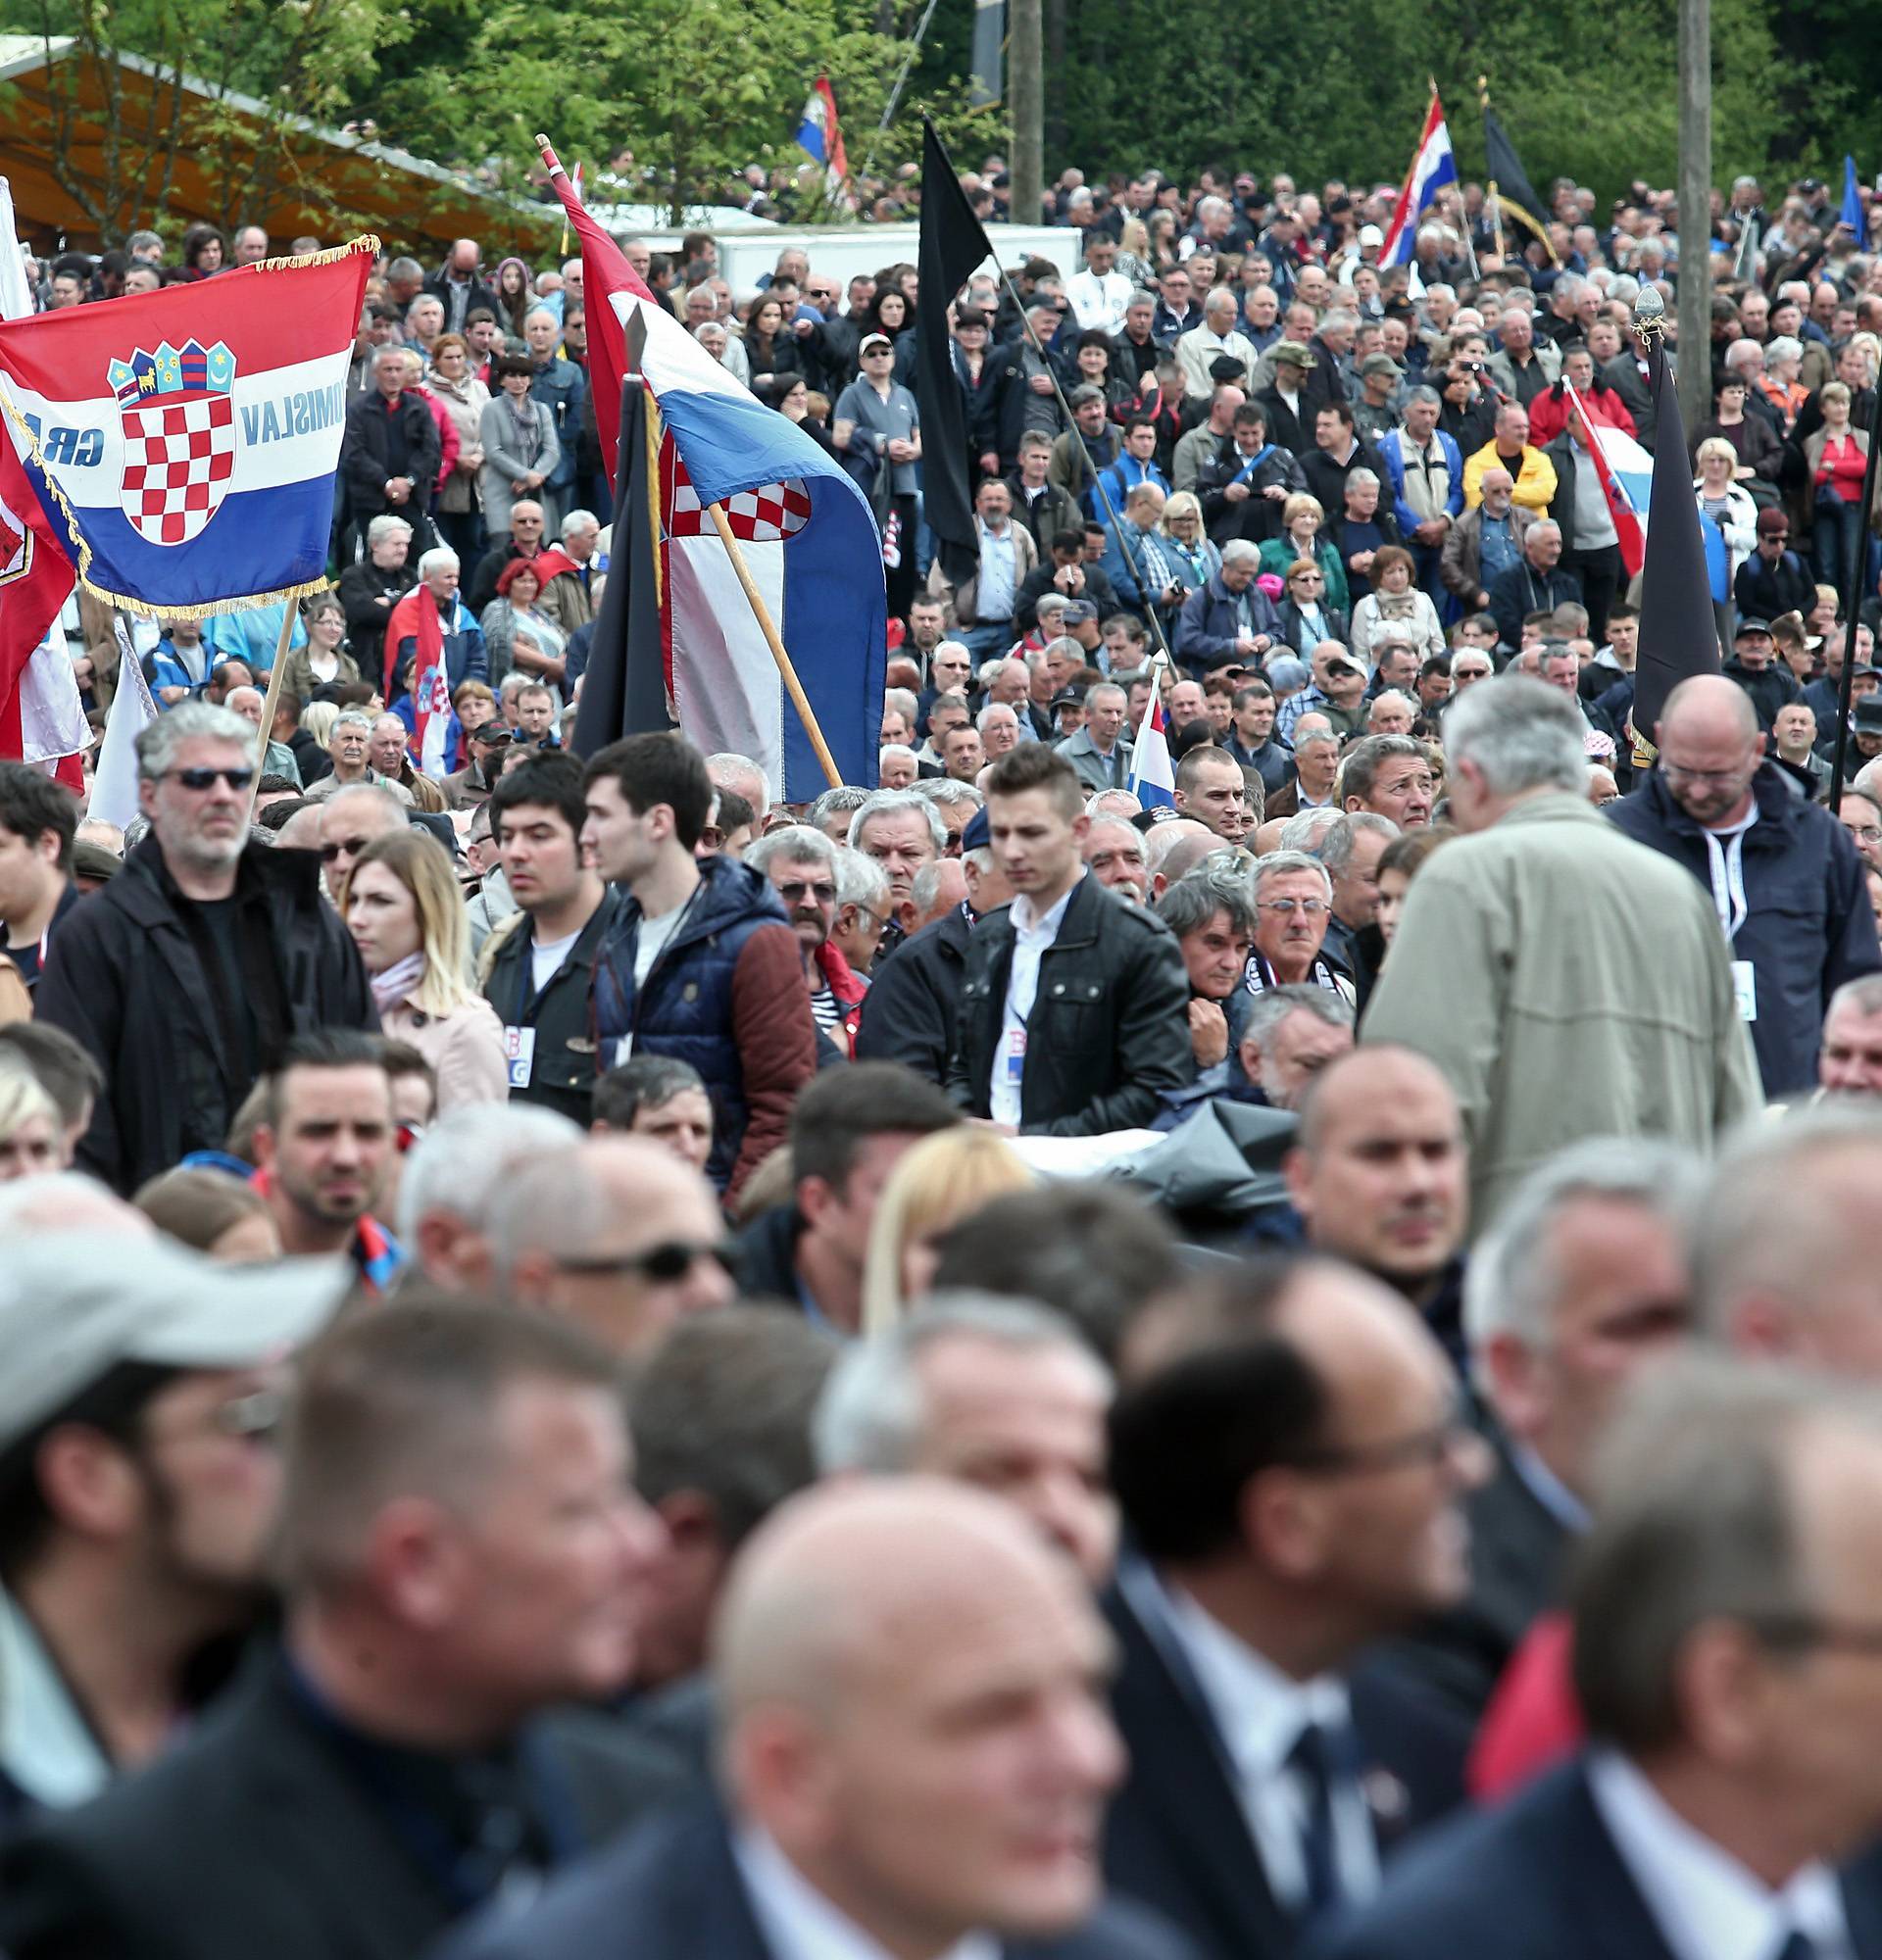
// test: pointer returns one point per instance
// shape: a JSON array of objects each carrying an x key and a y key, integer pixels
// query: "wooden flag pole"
[
  {"x": 793, "y": 686},
  {"x": 273, "y": 697}
]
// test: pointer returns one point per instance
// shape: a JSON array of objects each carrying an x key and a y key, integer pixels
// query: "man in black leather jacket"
[{"x": 1074, "y": 1006}]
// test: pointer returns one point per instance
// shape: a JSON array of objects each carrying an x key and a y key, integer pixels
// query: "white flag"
[
  {"x": 16, "y": 302},
  {"x": 114, "y": 784}
]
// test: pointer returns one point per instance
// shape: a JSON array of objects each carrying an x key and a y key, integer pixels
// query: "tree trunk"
[
  {"x": 1027, "y": 81},
  {"x": 1695, "y": 211}
]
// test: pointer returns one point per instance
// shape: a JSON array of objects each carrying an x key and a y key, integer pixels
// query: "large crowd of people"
[{"x": 1014, "y": 1359}]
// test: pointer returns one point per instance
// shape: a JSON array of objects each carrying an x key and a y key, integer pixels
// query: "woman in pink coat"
[{"x": 402, "y": 906}]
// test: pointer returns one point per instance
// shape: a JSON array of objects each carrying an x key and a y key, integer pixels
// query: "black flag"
[
  {"x": 1514, "y": 192},
  {"x": 623, "y": 689},
  {"x": 1678, "y": 632},
  {"x": 952, "y": 246}
]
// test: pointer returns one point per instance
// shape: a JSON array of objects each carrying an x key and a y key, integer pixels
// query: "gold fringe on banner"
[{"x": 367, "y": 244}]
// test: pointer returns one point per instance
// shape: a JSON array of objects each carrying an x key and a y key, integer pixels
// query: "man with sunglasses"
[
  {"x": 1290, "y": 1472},
  {"x": 135, "y": 1488},
  {"x": 348, "y": 821},
  {"x": 801, "y": 864},
  {"x": 199, "y": 959},
  {"x": 618, "y": 1234}
]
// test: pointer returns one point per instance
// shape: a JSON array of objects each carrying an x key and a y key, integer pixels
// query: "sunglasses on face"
[
  {"x": 663, "y": 1263},
  {"x": 352, "y": 845},
  {"x": 798, "y": 890},
  {"x": 206, "y": 779}
]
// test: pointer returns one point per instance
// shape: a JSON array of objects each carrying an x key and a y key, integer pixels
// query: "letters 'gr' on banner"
[{"x": 184, "y": 442}]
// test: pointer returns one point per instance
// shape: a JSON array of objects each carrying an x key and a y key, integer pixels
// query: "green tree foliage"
[
  {"x": 301, "y": 58},
  {"x": 694, "y": 89},
  {"x": 697, "y": 89}
]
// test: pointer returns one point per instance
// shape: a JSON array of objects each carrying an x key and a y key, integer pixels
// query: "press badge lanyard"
[{"x": 1728, "y": 879}]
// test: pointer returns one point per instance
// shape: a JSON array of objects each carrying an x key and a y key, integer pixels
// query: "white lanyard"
[{"x": 1728, "y": 880}]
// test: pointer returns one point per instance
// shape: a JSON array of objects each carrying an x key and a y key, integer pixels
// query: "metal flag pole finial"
[{"x": 1650, "y": 316}]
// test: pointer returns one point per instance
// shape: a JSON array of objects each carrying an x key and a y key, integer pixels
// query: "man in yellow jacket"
[{"x": 1509, "y": 449}]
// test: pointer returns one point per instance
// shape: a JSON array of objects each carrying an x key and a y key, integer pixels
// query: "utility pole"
[
  {"x": 1026, "y": 78},
  {"x": 1695, "y": 211}
]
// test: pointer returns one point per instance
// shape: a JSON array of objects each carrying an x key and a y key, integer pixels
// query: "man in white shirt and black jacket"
[{"x": 1074, "y": 1006}]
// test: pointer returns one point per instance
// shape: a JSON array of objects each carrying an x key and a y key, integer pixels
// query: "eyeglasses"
[
  {"x": 1807, "y": 1630},
  {"x": 352, "y": 845},
  {"x": 799, "y": 889},
  {"x": 206, "y": 779},
  {"x": 664, "y": 1263},
  {"x": 1428, "y": 1448},
  {"x": 1307, "y": 578},
  {"x": 1287, "y": 907}
]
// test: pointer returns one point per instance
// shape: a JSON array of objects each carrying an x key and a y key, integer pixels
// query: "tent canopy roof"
[{"x": 417, "y": 204}]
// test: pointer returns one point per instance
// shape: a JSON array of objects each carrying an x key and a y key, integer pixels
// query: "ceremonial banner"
[
  {"x": 1678, "y": 632},
  {"x": 805, "y": 531},
  {"x": 184, "y": 442},
  {"x": 1432, "y": 167},
  {"x": 954, "y": 245},
  {"x": 1511, "y": 182}
]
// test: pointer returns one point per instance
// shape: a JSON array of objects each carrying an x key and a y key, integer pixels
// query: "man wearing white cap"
[{"x": 140, "y": 1386}]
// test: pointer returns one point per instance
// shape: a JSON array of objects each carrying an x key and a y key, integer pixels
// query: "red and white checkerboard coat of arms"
[
  {"x": 180, "y": 437},
  {"x": 767, "y": 515}
]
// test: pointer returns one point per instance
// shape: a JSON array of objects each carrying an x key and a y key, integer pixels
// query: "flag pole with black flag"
[
  {"x": 953, "y": 243},
  {"x": 1514, "y": 193},
  {"x": 1678, "y": 629},
  {"x": 947, "y": 256},
  {"x": 625, "y": 689}
]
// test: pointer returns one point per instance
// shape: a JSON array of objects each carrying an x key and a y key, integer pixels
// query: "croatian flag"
[
  {"x": 1626, "y": 474},
  {"x": 820, "y": 136},
  {"x": 1433, "y": 167},
  {"x": 807, "y": 536},
  {"x": 184, "y": 442},
  {"x": 1153, "y": 780}
]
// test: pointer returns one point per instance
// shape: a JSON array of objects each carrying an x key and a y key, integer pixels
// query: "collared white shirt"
[
  {"x": 999, "y": 577},
  {"x": 45, "y": 1747},
  {"x": 798, "y": 1922},
  {"x": 1099, "y": 300},
  {"x": 1260, "y": 1714},
  {"x": 1705, "y": 1904},
  {"x": 1032, "y": 938}
]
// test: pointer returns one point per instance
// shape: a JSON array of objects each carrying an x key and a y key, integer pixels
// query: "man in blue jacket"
[
  {"x": 702, "y": 962},
  {"x": 1788, "y": 886},
  {"x": 1230, "y": 618}
]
